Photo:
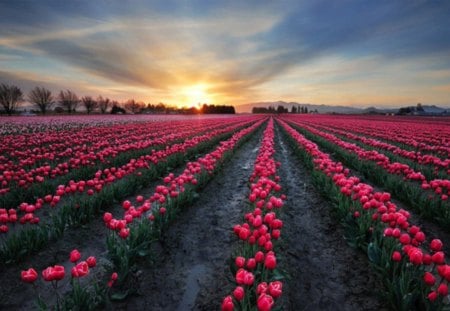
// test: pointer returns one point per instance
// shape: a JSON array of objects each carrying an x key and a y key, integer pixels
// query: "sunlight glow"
[{"x": 196, "y": 95}]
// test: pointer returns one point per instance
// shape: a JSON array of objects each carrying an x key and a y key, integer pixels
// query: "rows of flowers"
[
  {"x": 440, "y": 187},
  {"x": 130, "y": 236},
  {"x": 109, "y": 175},
  {"x": 254, "y": 264},
  {"x": 436, "y": 162},
  {"x": 413, "y": 268},
  {"x": 430, "y": 198},
  {"x": 418, "y": 134},
  {"x": 33, "y": 158},
  {"x": 83, "y": 199}
]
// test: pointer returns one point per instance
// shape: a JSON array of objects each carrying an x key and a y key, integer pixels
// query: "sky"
[{"x": 354, "y": 53}]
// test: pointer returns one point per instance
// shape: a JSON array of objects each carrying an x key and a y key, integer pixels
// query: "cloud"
[{"x": 241, "y": 51}]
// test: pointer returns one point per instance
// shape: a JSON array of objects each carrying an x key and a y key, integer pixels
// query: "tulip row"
[
  {"x": 414, "y": 271},
  {"x": 83, "y": 153},
  {"x": 130, "y": 237},
  {"x": 109, "y": 184},
  {"x": 430, "y": 198},
  {"x": 430, "y": 135},
  {"x": 440, "y": 187},
  {"x": 111, "y": 174},
  {"x": 440, "y": 167},
  {"x": 253, "y": 266}
]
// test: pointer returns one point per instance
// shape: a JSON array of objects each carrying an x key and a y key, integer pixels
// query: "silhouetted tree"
[
  {"x": 89, "y": 103},
  {"x": 41, "y": 98},
  {"x": 103, "y": 104},
  {"x": 294, "y": 109},
  {"x": 10, "y": 97},
  {"x": 134, "y": 106},
  {"x": 117, "y": 109},
  {"x": 281, "y": 109},
  {"x": 68, "y": 100}
]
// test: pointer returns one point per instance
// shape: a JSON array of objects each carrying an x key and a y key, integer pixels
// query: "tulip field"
[{"x": 245, "y": 212}]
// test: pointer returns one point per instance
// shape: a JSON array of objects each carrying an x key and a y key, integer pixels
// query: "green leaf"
[
  {"x": 120, "y": 295},
  {"x": 374, "y": 253},
  {"x": 143, "y": 252}
]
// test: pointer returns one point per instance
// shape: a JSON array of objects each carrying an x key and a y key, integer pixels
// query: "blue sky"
[{"x": 357, "y": 53}]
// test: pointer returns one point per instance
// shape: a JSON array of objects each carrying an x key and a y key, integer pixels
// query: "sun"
[{"x": 196, "y": 95}]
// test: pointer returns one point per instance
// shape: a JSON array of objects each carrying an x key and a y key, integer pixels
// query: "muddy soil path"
[
  {"x": 191, "y": 271},
  {"x": 324, "y": 272}
]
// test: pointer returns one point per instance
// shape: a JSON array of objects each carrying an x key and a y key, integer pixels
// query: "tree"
[
  {"x": 281, "y": 109},
  {"x": 294, "y": 109},
  {"x": 134, "y": 106},
  {"x": 103, "y": 104},
  {"x": 10, "y": 97},
  {"x": 41, "y": 98},
  {"x": 68, "y": 100},
  {"x": 89, "y": 103},
  {"x": 116, "y": 108}
]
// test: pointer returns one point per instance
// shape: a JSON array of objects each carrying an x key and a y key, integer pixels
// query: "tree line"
[
  {"x": 42, "y": 99},
  {"x": 280, "y": 109}
]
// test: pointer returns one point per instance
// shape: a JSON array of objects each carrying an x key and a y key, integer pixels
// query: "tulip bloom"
[
  {"x": 436, "y": 245},
  {"x": 270, "y": 262},
  {"x": 396, "y": 256},
  {"x": 75, "y": 255},
  {"x": 54, "y": 273},
  {"x": 239, "y": 293},
  {"x": 429, "y": 279},
  {"x": 275, "y": 289},
  {"x": 265, "y": 302},
  {"x": 91, "y": 261},
  {"x": 80, "y": 270},
  {"x": 29, "y": 276},
  {"x": 240, "y": 262},
  {"x": 227, "y": 304}
]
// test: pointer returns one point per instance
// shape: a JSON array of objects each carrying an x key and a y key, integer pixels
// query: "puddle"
[{"x": 192, "y": 287}]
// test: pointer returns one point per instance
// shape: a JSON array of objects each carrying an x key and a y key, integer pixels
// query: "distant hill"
[{"x": 331, "y": 109}]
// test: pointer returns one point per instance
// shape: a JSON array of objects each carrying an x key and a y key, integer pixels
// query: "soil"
[{"x": 191, "y": 266}]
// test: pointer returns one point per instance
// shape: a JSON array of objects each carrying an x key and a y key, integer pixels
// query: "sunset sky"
[{"x": 356, "y": 53}]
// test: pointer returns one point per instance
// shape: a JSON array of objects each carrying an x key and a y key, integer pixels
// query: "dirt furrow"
[
  {"x": 190, "y": 272},
  {"x": 323, "y": 272}
]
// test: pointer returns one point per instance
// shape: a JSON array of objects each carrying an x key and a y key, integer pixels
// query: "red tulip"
[
  {"x": 124, "y": 233},
  {"x": 80, "y": 270},
  {"x": 75, "y": 255},
  {"x": 436, "y": 245},
  {"x": 275, "y": 289},
  {"x": 259, "y": 256},
  {"x": 91, "y": 261},
  {"x": 114, "y": 276},
  {"x": 443, "y": 289},
  {"x": 265, "y": 302},
  {"x": 240, "y": 262},
  {"x": 227, "y": 304},
  {"x": 396, "y": 256},
  {"x": 251, "y": 263},
  {"x": 438, "y": 258},
  {"x": 270, "y": 262},
  {"x": 54, "y": 273},
  {"x": 429, "y": 279},
  {"x": 29, "y": 276},
  {"x": 261, "y": 288},
  {"x": 432, "y": 296},
  {"x": 239, "y": 293}
]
